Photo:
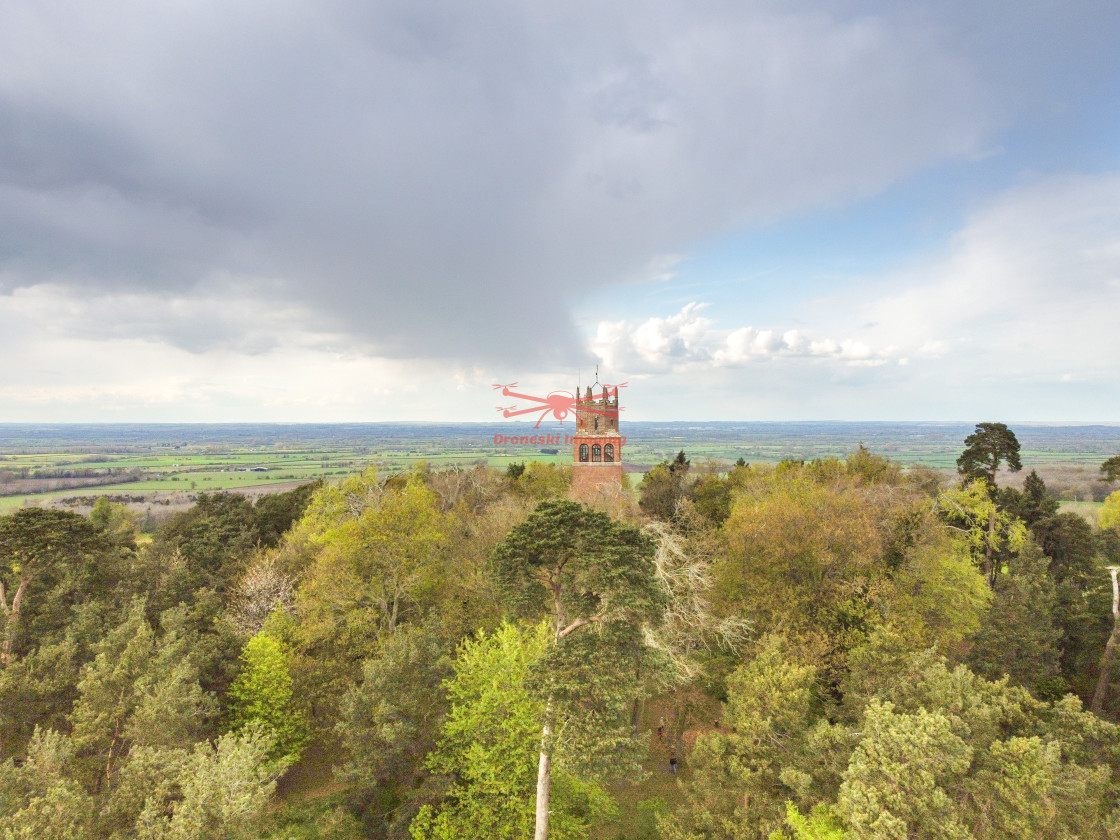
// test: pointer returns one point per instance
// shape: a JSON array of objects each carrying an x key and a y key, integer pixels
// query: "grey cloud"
[{"x": 443, "y": 180}]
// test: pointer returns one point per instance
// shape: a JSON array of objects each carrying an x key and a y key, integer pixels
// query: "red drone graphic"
[{"x": 558, "y": 403}]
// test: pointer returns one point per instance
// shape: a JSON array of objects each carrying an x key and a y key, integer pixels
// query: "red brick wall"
[{"x": 587, "y": 478}]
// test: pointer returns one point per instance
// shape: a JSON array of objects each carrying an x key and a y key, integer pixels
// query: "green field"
[{"x": 169, "y": 464}]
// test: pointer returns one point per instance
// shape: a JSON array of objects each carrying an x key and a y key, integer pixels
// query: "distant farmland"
[{"x": 169, "y": 464}]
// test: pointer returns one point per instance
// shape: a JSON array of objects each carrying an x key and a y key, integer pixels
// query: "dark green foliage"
[
  {"x": 577, "y": 565},
  {"x": 207, "y": 545},
  {"x": 389, "y": 723},
  {"x": 1036, "y": 503},
  {"x": 1111, "y": 469},
  {"x": 50, "y": 561},
  {"x": 991, "y": 445},
  {"x": 277, "y": 512},
  {"x": 1019, "y": 638},
  {"x": 515, "y": 470},
  {"x": 663, "y": 487},
  {"x": 1068, "y": 540},
  {"x": 712, "y": 497}
]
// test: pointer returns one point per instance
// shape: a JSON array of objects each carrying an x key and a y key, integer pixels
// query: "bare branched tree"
[
  {"x": 263, "y": 588},
  {"x": 684, "y": 572}
]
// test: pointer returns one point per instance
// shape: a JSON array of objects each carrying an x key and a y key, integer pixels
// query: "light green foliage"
[
  {"x": 41, "y": 799},
  {"x": 801, "y": 556},
  {"x": 377, "y": 558},
  {"x": 821, "y": 824},
  {"x": 744, "y": 772},
  {"x": 936, "y": 596},
  {"x": 262, "y": 694},
  {"x": 217, "y": 791},
  {"x": 115, "y": 521},
  {"x": 894, "y": 785},
  {"x": 541, "y": 481},
  {"x": 488, "y": 746},
  {"x": 1110, "y": 511},
  {"x": 1030, "y": 770},
  {"x": 921, "y": 751},
  {"x": 161, "y": 793},
  {"x": 973, "y": 512},
  {"x": 872, "y": 469}
]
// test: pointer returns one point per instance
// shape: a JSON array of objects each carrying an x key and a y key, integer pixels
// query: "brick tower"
[{"x": 596, "y": 445}]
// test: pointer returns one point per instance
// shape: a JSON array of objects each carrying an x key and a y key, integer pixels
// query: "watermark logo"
[{"x": 558, "y": 403}]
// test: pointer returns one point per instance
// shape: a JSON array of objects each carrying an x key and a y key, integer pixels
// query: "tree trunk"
[
  {"x": 1097, "y": 706},
  {"x": 989, "y": 571},
  {"x": 13, "y": 619},
  {"x": 544, "y": 777}
]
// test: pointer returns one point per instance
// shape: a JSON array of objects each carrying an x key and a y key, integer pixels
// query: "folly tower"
[{"x": 596, "y": 445}]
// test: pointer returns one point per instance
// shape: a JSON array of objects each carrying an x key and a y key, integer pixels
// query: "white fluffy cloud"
[{"x": 690, "y": 341}]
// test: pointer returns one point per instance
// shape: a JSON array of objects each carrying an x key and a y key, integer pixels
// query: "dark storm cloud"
[{"x": 446, "y": 179}]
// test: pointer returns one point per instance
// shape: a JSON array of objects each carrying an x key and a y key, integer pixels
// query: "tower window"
[
  {"x": 583, "y": 451},
  {"x": 596, "y": 424},
  {"x": 608, "y": 452},
  {"x": 596, "y": 453}
]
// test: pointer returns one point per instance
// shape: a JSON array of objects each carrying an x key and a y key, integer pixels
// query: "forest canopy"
[{"x": 839, "y": 648}]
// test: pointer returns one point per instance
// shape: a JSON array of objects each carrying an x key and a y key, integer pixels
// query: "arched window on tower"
[
  {"x": 608, "y": 453},
  {"x": 596, "y": 424},
  {"x": 596, "y": 453},
  {"x": 583, "y": 451}
]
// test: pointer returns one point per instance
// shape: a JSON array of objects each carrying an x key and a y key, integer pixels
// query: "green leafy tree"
[
  {"x": 278, "y": 512},
  {"x": 1110, "y": 511},
  {"x": 973, "y": 512},
  {"x": 663, "y": 487},
  {"x": 116, "y": 521},
  {"x": 821, "y": 824},
  {"x": 744, "y": 772},
  {"x": 1032, "y": 504},
  {"x": 895, "y": 783},
  {"x": 1111, "y": 469},
  {"x": 262, "y": 695},
  {"x": 205, "y": 546},
  {"x": 989, "y": 447},
  {"x": 220, "y": 790},
  {"x": 390, "y": 721},
  {"x": 488, "y": 747},
  {"x": 40, "y": 551},
  {"x": 41, "y": 798},
  {"x": 378, "y": 553},
  {"x": 591, "y": 577},
  {"x": 37, "y": 690},
  {"x": 1020, "y": 638},
  {"x": 139, "y": 688},
  {"x": 802, "y": 557}
]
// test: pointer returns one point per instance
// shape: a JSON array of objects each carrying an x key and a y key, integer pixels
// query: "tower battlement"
[{"x": 597, "y": 444}]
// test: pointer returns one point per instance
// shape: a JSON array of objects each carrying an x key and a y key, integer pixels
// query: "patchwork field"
[{"x": 164, "y": 466}]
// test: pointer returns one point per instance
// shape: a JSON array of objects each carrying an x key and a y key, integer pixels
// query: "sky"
[{"x": 377, "y": 210}]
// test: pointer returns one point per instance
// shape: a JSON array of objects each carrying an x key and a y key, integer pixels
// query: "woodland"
[{"x": 808, "y": 650}]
